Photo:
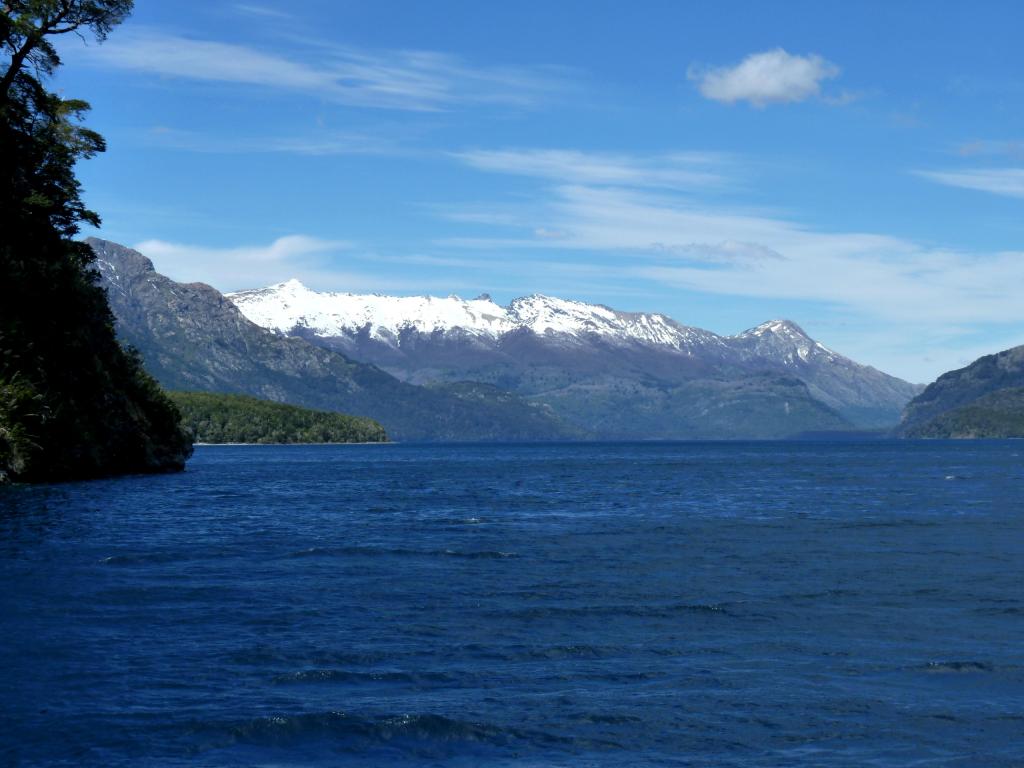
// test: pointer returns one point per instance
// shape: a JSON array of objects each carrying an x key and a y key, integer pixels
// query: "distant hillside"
[
  {"x": 192, "y": 338},
  {"x": 218, "y": 418},
  {"x": 976, "y": 401},
  {"x": 999, "y": 414},
  {"x": 756, "y": 407}
]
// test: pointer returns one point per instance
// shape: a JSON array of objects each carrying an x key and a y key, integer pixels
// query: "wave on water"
[
  {"x": 419, "y": 734},
  {"x": 144, "y": 558},
  {"x": 895, "y": 523},
  {"x": 265, "y": 655},
  {"x": 348, "y": 676},
  {"x": 632, "y": 609},
  {"x": 998, "y": 611},
  {"x": 957, "y": 667},
  {"x": 371, "y": 551}
]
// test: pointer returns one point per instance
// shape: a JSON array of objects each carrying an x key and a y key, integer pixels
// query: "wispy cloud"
[
  {"x": 318, "y": 144},
  {"x": 265, "y": 11},
  {"x": 723, "y": 251},
  {"x": 407, "y": 80},
  {"x": 981, "y": 147},
  {"x": 681, "y": 170},
  {"x": 770, "y": 77},
  {"x": 1008, "y": 182}
]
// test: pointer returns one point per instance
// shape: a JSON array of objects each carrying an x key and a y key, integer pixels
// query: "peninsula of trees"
[{"x": 219, "y": 418}]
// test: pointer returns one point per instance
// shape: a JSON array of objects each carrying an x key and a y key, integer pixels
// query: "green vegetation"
[
  {"x": 218, "y": 418},
  {"x": 999, "y": 414},
  {"x": 73, "y": 403}
]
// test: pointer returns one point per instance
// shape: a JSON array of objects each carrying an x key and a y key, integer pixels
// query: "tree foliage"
[
  {"x": 219, "y": 418},
  {"x": 73, "y": 403}
]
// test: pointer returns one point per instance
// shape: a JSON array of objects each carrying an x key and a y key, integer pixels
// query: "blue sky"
[{"x": 855, "y": 167}]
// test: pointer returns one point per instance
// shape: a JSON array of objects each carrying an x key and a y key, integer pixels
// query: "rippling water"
[{"x": 761, "y": 604}]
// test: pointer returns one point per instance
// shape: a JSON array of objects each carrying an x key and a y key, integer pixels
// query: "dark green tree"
[
  {"x": 220, "y": 418},
  {"x": 73, "y": 403}
]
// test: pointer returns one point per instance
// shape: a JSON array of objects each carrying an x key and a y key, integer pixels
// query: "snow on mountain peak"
[
  {"x": 784, "y": 339},
  {"x": 779, "y": 327},
  {"x": 288, "y": 306},
  {"x": 547, "y": 314}
]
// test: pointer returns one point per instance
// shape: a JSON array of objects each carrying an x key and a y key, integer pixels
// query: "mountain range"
[
  {"x": 540, "y": 368},
  {"x": 630, "y": 374}
]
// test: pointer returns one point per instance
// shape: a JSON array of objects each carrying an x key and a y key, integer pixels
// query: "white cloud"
[
  {"x": 682, "y": 170},
  {"x": 770, "y": 77},
  {"x": 725, "y": 251},
  {"x": 718, "y": 250},
  {"x": 409, "y": 80},
  {"x": 241, "y": 267},
  {"x": 320, "y": 144},
  {"x": 312, "y": 260},
  {"x": 939, "y": 300},
  {"x": 1014, "y": 149},
  {"x": 467, "y": 216},
  {"x": 997, "y": 181},
  {"x": 261, "y": 10},
  {"x": 549, "y": 234}
]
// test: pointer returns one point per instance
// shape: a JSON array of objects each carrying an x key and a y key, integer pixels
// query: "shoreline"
[{"x": 257, "y": 445}]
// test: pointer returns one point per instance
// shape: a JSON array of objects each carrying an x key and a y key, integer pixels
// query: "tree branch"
[{"x": 17, "y": 62}]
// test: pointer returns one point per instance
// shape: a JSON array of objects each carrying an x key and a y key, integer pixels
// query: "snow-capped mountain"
[
  {"x": 290, "y": 306},
  {"x": 545, "y": 347}
]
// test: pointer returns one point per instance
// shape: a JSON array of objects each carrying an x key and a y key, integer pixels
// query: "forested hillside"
[
  {"x": 999, "y": 414},
  {"x": 218, "y": 418},
  {"x": 73, "y": 403},
  {"x": 984, "y": 399}
]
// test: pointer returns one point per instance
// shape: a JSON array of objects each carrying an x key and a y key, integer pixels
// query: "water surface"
[{"x": 759, "y": 604}]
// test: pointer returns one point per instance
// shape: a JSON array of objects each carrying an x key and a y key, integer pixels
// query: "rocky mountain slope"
[
  {"x": 591, "y": 363},
  {"x": 980, "y": 400},
  {"x": 192, "y": 338}
]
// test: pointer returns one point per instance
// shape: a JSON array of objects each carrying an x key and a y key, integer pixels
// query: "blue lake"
[{"x": 728, "y": 604}]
